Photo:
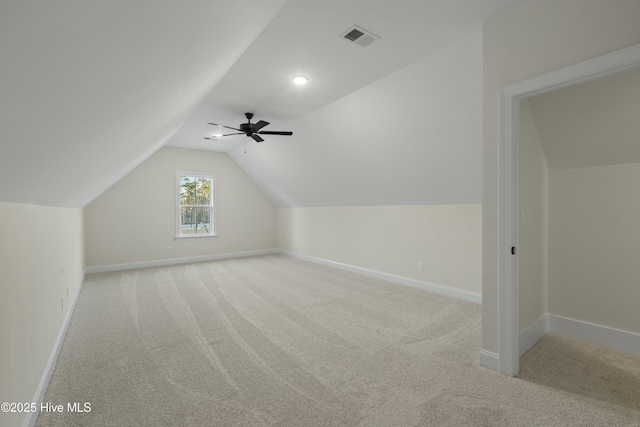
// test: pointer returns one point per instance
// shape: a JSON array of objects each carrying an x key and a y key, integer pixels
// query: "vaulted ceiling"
[
  {"x": 591, "y": 124},
  {"x": 91, "y": 89}
]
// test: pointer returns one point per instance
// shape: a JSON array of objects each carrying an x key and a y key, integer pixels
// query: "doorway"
[{"x": 510, "y": 219}]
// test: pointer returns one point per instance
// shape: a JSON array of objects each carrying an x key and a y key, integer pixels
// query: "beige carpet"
[
  {"x": 584, "y": 369},
  {"x": 280, "y": 342}
]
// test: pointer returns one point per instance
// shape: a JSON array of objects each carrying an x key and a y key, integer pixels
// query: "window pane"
[
  {"x": 203, "y": 216},
  {"x": 203, "y": 191},
  {"x": 187, "y": 221},
  {"x": 195, "y": 221},
  {"x": 187, "y": 190}
]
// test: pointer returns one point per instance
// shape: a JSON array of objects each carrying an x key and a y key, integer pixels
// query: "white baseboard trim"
[
  {"x": 173, "y": 261},
  {"x": 628, "y": 342},
  {"x": 489, "y": 360},
  {"x": 534, "y": 333},
  {"x": 32, "y": 417},
  {"x": 431, "y": 287}
]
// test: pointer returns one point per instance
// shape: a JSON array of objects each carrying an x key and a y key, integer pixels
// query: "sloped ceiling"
[
  {"x": 397, "y": 122},
  {"x": 90, "y": 89},
  {"x": 592, "y": 124},
  {"x": 305, "y": 37},
  {"x": 411, "y": 138}
]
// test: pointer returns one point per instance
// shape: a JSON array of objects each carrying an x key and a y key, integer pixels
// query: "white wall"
[
  {"x": 41, "y": 271},
  {"x": 591, "y": 124},
  {"x": 533, "y": 193},
  {"x": 135, "y": 220},
  {"x": 594, "y": 245},
  {"x": 527, "y": 40},
  {"x": 405, "y": 186},
  {"x": 392, "y": 239}
]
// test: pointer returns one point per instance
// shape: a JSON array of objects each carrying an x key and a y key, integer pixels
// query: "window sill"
[{"x": 204, "y": 236}]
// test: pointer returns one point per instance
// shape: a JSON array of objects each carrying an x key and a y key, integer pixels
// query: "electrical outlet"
[
  {"x": 421, "y": 266},
  {"x": 324, "y": 249},
  {"x": 168, "y": 248}
]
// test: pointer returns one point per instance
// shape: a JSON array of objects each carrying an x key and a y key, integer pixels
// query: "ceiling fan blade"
[
  {"x": 223, "y": 126},
  {"x": 273, "y": 132},
  {"x": 257, "y": 138},
  {"x": 226, "y": 134},
  {"x": 256, "y": 127}
]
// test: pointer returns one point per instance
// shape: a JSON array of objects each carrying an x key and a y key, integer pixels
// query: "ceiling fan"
[{"x": 250, "y": 129}]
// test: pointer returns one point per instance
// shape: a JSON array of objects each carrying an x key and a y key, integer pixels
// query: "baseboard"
[
  {"x": 628, "y": 342},
  {"x": 489, "y": 360},
  {"x": 173, "y": 261},
  {"x": 431, "y": 287},
  {"x": 534, "y": 333},
  {"x": 32, "y": 417}
]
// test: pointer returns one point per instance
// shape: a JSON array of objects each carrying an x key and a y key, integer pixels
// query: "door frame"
[{"x": 509, "y": 174}]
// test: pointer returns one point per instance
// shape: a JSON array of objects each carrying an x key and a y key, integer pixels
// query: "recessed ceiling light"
[{"x": 300, "y": 79}]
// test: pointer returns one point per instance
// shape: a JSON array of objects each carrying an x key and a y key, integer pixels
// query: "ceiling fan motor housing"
[{"x": 246, "y": 128}]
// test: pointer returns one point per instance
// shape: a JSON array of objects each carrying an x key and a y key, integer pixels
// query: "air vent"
[{"x": 359, "y": 36}]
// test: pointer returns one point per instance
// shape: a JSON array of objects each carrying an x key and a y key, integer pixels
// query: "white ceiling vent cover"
[{"x": 359, "y": 36}]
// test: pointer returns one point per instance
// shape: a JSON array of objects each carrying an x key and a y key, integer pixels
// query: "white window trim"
[{"x": 214, "y": 204}]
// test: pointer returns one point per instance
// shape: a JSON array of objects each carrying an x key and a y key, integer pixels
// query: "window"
[{"x": 196, "y": 207}]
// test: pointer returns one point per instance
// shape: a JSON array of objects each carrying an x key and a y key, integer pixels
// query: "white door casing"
[{"x": 509, "y": 173}]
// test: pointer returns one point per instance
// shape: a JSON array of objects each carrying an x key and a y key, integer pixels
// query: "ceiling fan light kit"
[
  {"x": 300, "y": 79},
  {"x": 249, "y": 129}
]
